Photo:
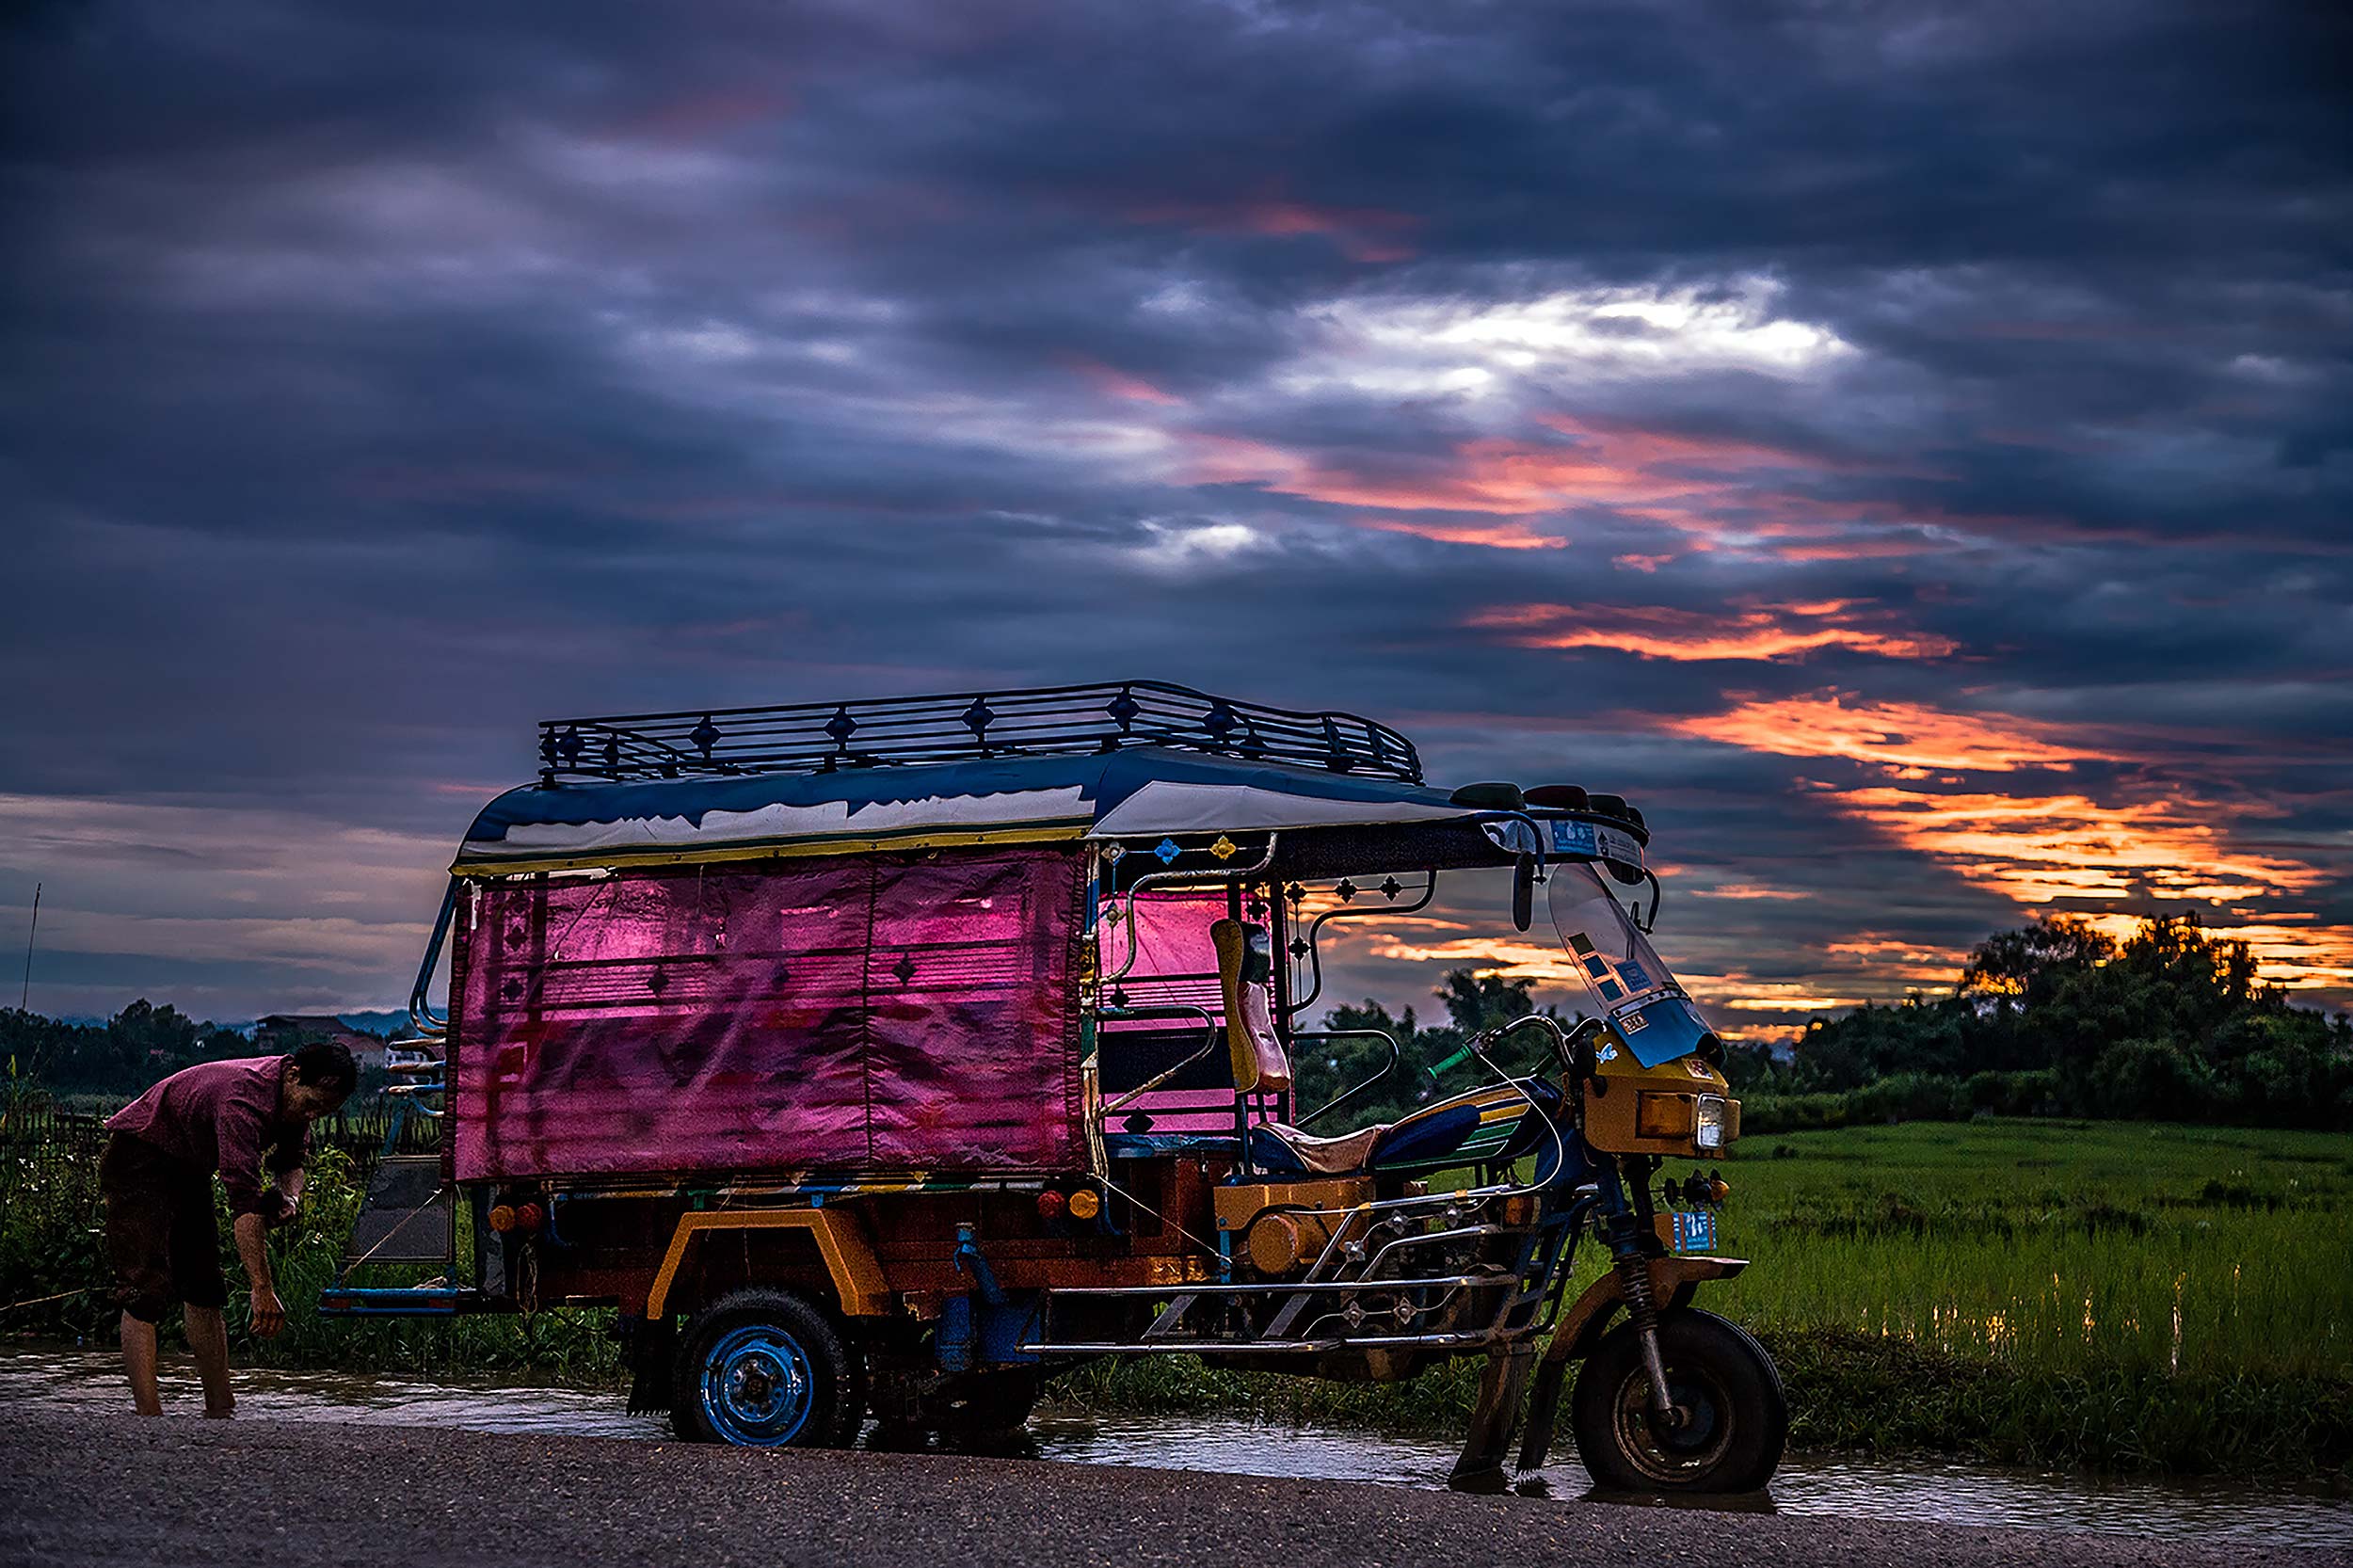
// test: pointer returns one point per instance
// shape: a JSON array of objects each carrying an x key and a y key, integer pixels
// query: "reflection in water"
[{"x": 1915, "y": 1490}]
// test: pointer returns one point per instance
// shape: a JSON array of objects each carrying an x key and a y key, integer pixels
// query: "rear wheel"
[
  {"x": 1732, "y": 1420},
  {"x": 766, "y": 1370}
]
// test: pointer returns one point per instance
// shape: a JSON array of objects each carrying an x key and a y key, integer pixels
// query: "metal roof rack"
[{"x": 821, "y": 737}]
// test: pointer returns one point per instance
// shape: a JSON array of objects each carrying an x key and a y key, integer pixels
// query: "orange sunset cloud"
[
  {"x": 1833, "y": 724},
  {"x": 2148, "y": 847},
  {"x": 1770, "y": 632}
]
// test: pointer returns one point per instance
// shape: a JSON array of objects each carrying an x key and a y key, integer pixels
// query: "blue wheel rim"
[{"x": 758, "y": 1387}]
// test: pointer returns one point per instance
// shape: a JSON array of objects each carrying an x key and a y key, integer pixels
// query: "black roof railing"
[{"x": 822, "y": 737}]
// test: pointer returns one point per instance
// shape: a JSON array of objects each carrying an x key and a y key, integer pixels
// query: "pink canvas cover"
[{"x": 873, "y": 1012}]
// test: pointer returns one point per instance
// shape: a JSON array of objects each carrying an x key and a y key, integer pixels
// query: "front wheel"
[
  {"x": 766, "y": 1370},
  {"x": 1731, "y": 1418}
]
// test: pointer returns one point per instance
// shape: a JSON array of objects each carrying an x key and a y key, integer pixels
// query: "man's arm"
[
  {"x": 269, "y": 1314},
  {"x": 284, "y": 1164},
  {"x": 240, "y": 1130},
  {"x": 285, "y": 1197}
]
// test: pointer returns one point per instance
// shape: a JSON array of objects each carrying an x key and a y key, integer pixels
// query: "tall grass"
[
  {"x": 54, "y": 1283},
  {"x": 2121, "y": 1295}
]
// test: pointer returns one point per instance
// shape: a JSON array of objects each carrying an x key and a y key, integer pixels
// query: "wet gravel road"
[{"x": 79, "y": 1489}]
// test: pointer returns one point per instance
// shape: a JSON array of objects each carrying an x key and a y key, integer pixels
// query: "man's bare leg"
[
  {"x": 208, "y": 1340},
  {"x": 139, "y": 1359}
]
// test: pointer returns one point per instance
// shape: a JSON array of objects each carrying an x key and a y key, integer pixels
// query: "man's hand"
[
  {"x": 282, "y": 1211},
  {"x": 268, "y": 1315}
]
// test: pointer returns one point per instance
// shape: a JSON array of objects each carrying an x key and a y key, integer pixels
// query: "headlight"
[{"x": 1713, "y": 1115}]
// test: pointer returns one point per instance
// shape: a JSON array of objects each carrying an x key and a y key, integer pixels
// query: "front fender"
[{"x": 1672, "y": 1281}]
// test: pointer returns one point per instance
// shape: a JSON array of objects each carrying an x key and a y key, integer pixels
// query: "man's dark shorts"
[{"x": 160, "y": 1235}]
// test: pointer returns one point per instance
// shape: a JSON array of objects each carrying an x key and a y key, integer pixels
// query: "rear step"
[
  {"x": 414, "y": 1300},
  {"x": 409, "y": 1218},
  {"x": 406, "y": 1217}
]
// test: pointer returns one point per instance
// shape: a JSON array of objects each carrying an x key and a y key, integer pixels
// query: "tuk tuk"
[{"x": 879, "y": 1059}]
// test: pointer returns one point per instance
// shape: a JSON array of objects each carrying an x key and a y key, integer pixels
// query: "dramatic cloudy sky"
[{"x": 1906, "y": 449}]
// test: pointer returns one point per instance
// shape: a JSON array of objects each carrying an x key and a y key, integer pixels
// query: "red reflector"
[
  {"x": 1050, "y": 1205},
  {"x": 527, "y": 1217}
]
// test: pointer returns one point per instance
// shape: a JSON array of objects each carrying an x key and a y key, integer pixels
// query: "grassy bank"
[
  {"x": 53, "y": 1270},
  {"x": 2120, "y": 1295}
]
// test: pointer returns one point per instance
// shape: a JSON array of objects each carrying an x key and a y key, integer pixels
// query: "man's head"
[{"x": 318, "y": 1078}]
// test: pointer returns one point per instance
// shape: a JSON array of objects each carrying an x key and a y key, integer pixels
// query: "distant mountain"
[{"x": 385, "y": 1023}]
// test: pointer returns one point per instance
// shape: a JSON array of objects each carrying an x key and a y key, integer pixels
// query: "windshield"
[{"x": 1643, "y": 1000}]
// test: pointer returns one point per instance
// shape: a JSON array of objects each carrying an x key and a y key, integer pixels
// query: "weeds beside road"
[{"x": 2121, "y": 1295}]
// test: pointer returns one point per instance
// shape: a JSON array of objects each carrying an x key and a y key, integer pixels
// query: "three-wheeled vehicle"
[{"x": 881, "y": 1058}]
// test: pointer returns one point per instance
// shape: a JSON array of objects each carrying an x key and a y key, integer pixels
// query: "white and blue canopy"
[{"x": 1140, "y": 792}]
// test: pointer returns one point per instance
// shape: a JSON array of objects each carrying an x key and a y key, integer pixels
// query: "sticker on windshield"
[
  {"x": 1573, "y": 837},
  {"x": 1597, "y": 967},
  {"x": 1636, "y": 977},
  {"x": 1579, "y": 942},
  {"x": 1610, "y": 990}
]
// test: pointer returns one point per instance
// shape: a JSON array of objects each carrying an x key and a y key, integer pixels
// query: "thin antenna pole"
[{"x": 23, "y": 1003}]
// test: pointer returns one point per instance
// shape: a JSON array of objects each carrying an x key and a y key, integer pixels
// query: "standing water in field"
[{"x": 1890, "y": 1490}]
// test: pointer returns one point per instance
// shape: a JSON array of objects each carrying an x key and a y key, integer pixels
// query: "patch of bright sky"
[
  {"x": 1174, "y": 546},
  {"x": 1430, "y": 346}
]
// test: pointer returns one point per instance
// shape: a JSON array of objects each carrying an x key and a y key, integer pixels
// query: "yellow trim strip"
[
  {"x": 857, "y": 1277},
  {"x": 782, "y": 850}
]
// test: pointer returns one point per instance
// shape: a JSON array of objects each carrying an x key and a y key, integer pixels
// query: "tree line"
[
  {"x": 2172, "y": 1024},
  {"x": 122, "y": 1056},
  {"x": 2056, "y": 1018}
]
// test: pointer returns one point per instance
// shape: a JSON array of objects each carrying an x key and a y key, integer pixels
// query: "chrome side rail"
[{"x": 1357, "y": 1291}]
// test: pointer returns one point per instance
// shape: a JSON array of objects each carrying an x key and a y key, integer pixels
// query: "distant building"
[{"x": 281, "y": 1034}]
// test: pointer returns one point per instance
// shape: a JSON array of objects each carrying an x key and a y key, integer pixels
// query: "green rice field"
[
  {"x": 2056, "y": 1246},
  {"x": 2111, "y": 1295}
]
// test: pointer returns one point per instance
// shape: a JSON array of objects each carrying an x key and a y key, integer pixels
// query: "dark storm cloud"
[{"x": 1567, "y": 386}]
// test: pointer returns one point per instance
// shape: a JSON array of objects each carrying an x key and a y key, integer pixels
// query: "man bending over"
[{"x": 156, "y": 1177}]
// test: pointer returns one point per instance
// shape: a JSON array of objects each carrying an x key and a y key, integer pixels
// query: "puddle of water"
[
  {"x": 93, "y": 1381},
  {"x": 1920, "y": 1490},
  {"x": 1923, "y": 1491}
]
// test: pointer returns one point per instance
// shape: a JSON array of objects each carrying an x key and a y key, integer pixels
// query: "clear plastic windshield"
[{"x": 1640, "y": 998}]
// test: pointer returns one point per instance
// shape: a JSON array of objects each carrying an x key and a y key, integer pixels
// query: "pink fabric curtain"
[{"x": 872, "y": 1012}]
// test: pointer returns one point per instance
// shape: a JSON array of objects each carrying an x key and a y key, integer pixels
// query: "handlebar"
[{"x": 1573, "y": 1048}]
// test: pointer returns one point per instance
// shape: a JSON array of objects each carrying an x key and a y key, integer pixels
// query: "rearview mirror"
[{"x": 1523, "y": 893}]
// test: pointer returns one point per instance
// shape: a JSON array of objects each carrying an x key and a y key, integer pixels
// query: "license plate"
[{"x": 1695, "y": 1230}]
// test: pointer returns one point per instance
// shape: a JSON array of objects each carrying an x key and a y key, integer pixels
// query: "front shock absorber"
[
  {"x": 1642, "y": 1310},
  {"x": 1624, "y": 1225}
]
